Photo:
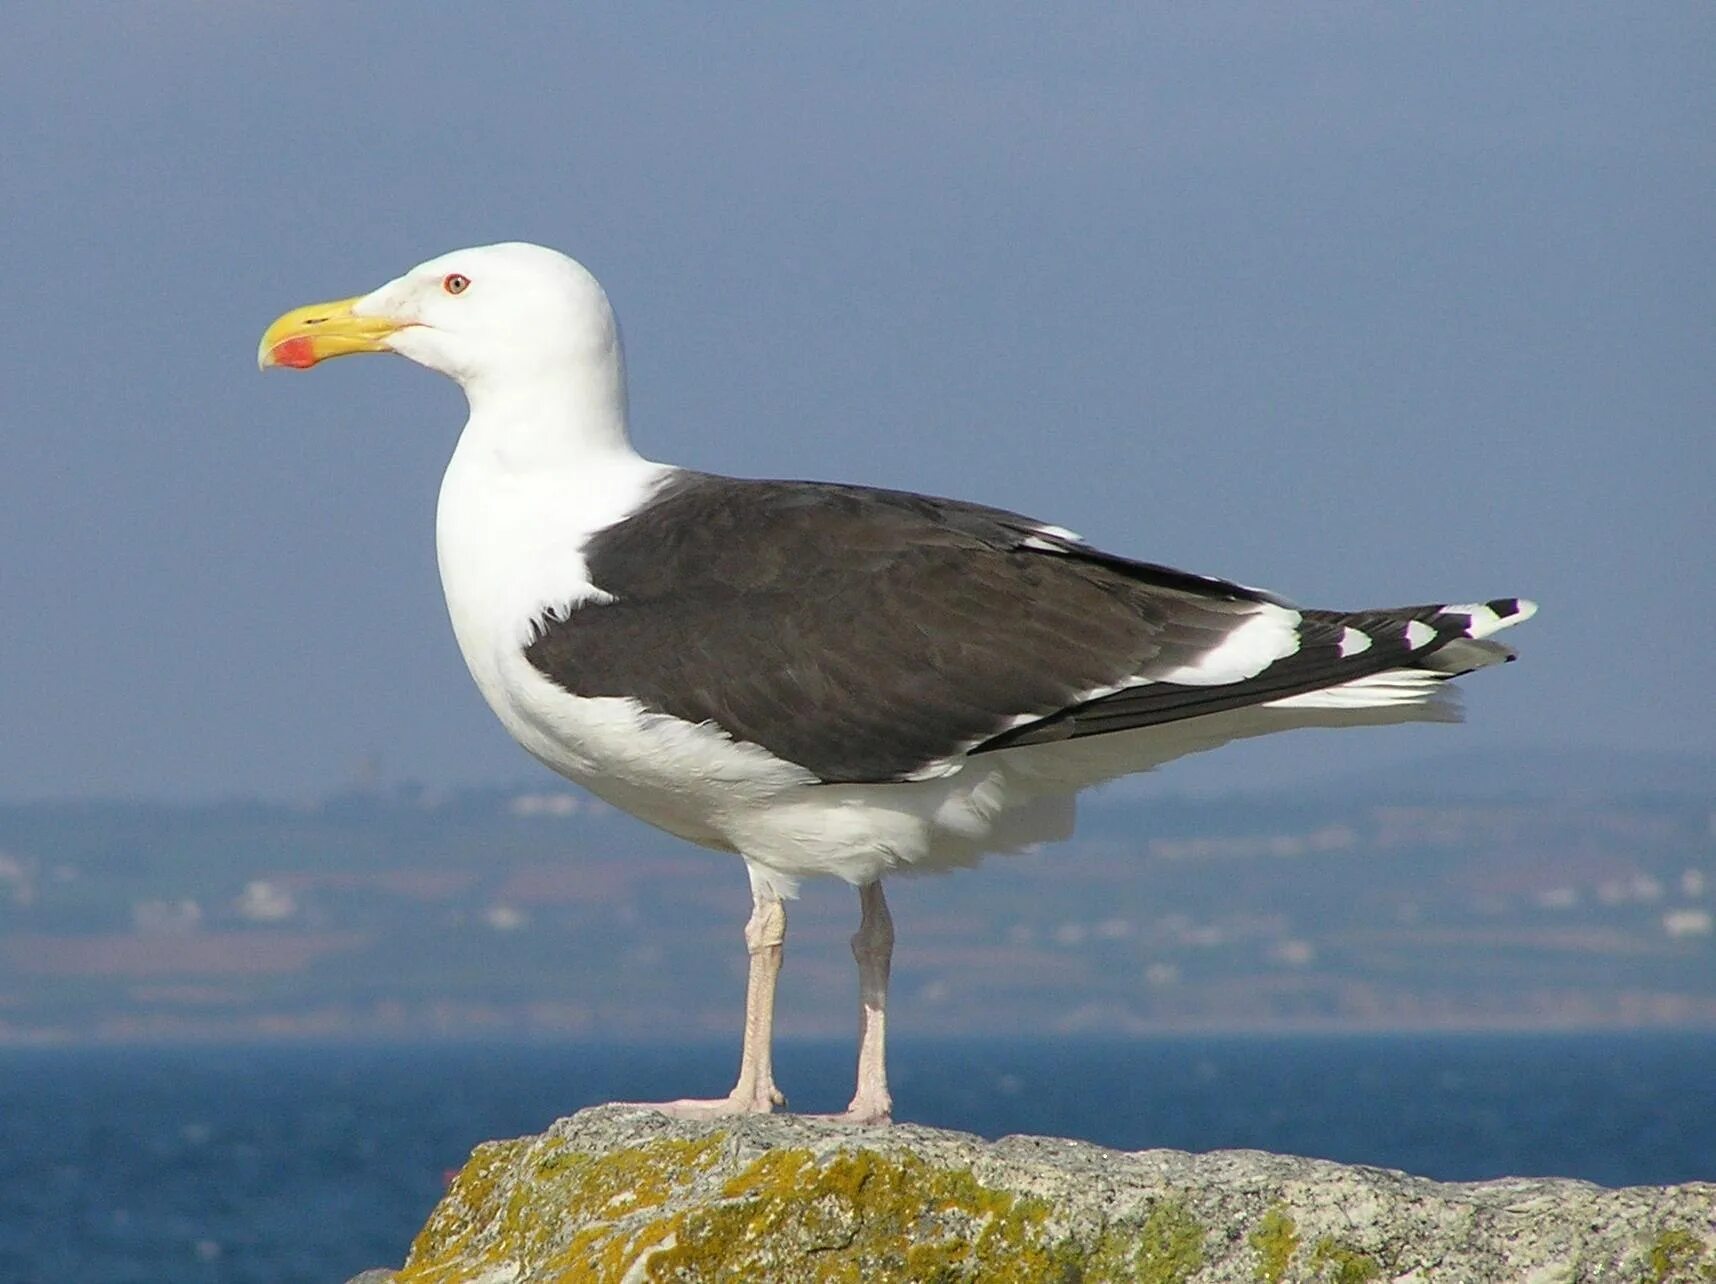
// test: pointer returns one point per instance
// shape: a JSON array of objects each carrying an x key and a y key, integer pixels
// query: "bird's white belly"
[
  {"x": 690, "y": 780},
  {"x": 698, "y": 783}
]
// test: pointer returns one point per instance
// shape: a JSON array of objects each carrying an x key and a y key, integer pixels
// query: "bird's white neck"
[
  {"x": 571, "y": 417},
  {"x": 543, "y": 463}
]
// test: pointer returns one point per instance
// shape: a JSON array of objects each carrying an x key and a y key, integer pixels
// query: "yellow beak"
[{"x": 307, "y": 335}]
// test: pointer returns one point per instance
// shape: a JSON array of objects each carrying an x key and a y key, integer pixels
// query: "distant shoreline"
[{"x": 13, "y": 1041}]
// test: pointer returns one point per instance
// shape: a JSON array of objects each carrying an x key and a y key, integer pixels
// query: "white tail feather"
[{"x": 1378, "y": 690}]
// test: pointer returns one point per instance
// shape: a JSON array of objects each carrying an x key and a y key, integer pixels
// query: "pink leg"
[
  {"x": 755, "y": 1093},
  {"x": 873, "y": 947}
]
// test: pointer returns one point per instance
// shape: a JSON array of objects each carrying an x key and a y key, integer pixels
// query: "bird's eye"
[{"x": 455, "y": 283}]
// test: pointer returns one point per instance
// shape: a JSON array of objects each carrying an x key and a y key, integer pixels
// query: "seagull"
[{"x": 823, "y": 679}]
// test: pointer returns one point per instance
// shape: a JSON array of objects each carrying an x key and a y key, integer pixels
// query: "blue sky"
[{"x": 1368, "y": 304}]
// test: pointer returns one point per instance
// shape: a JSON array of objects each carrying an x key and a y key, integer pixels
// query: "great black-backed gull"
[{"x": 823, "y": 679}]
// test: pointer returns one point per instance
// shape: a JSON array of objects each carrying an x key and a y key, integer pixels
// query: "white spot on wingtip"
[
  {"x": 1269, "y": 633},
  {"x": 1419, "y": 634},
  {"x": 1354, "y": 642},
  {"x": 1480, "y": 619},
  {"x": 1485, "y": 619}
]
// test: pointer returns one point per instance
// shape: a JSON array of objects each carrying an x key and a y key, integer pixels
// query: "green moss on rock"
[
  {"x": 1165, "y": 1247},
  {"x": 1171, "y": 1248},
  {"x": 1338, "y": 1263},
  {"x": 788, "y": 1215},
  {"x": 847, "y": 1217},
  {"x": 1275, "y": 1239},
  {"x": 616, "y": 1196},
  {"x": 1677, "y": 1255},
  {"x": 490, "y": 1219},
  {"x": 859, "y": 1215}
]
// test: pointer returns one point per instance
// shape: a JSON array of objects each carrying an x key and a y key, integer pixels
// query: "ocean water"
[{"x": 277, "y": 1165}]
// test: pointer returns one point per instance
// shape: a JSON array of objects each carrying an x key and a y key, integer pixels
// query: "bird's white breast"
[{"x": 510, "y": 543}]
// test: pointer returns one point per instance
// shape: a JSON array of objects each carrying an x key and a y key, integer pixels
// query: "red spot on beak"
[{"x": 295, "y": 352}]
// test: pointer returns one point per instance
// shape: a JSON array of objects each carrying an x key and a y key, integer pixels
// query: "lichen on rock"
[
  {"x": 617, "y": 1195},
  {"x": 1276, "y": 1239}
]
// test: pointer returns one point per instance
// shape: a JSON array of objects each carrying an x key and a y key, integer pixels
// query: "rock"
[{"x": 626, "y": 1196}]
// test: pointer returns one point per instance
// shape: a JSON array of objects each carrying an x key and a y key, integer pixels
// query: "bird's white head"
[{"x": 495, "y": 313}]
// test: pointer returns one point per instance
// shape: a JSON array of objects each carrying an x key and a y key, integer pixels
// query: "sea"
[{"x": 280, "y": 1164}]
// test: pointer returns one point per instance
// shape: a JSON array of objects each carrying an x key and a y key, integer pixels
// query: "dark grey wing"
[{"x": 870, "y": 635}]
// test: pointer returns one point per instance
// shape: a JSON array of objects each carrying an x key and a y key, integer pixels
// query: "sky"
[{"x": 1366, "y": 304}]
